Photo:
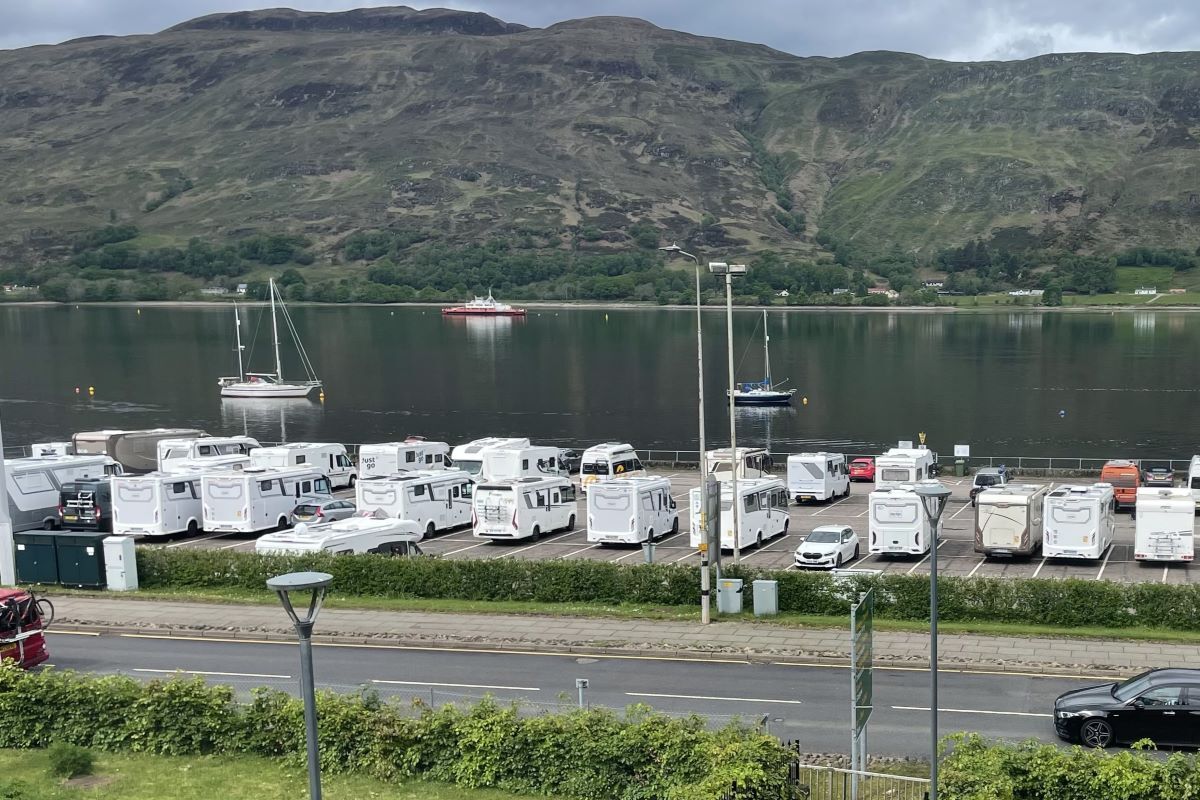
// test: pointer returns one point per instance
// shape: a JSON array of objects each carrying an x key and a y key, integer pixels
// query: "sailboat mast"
[
  {"x": 237, "y": 327},
  {"x": 767, "y": 350},
  {"x": 275, "y": 332}
]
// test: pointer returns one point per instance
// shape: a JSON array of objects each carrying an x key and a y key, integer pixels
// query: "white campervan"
[
  {"x": 1079, "y": 521},
  {"x": 509, "y": 463},
  {"x": 173, "y": 451},
  {"x": 391, "y": 458},
  {"x": 469, "y": 457},
  {"x": 157, "y": 504},
  {"x": 817, "y": 476},
  {"x": 1008, "y": 519},
  {"x": 436, "y": 500},
  {"x": 1194, "y": 479},
  {"x": 897, "y": 524},
  {"x": 897, "y": 467},
  {"x": 1165, "y": 529},
  {"x": 631, "y": 511},
  {"x": 353, "y": 536},
  {"x": 329, "y": 458},
  {"x": 762, "y": 513},
  {"x": 609, "y": 461},
  {"x": 33, "y": 485},
  {"x": 753, "y": 462},
  {"x": 524, "y": 508},
  {"x": 257, "y": 499}
]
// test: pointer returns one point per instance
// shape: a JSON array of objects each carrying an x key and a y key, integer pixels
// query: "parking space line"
[
  {"x": 971, "y": 574},
  {"x": 688, "y": 554},
  {"x": 1164, "y": 577},
  {"x": 1039, "y": 568},
  {"x": 471, "y": 547},
  {"x": 627, "y": 555},
  {"x": 830, "y": 505},
  {"x": 235, "y": 544},
  {"x": 185, "y": 542},
  {"x": 581, "y": 550},
  {"x": 863, "y": 514},
  {"x": 1112, "y": 546},
  {"x": 926, "y": 558},
  {"x": 965, "y": 506},
  {"x": 558, "y": 535},
  {"x": 942, "y": 710}
]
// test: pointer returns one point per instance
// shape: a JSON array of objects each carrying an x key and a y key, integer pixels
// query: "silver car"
[{"x": 326, "y": 509}]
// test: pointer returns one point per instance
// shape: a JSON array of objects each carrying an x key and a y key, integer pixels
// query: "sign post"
[{"x": 862, "y": 681}]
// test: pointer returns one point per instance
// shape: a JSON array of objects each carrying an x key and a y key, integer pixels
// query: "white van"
[
  {"x": 391, "y": 458},
  {"x": 763, "y": 513},
  {"x": 469, "y": 457},
  {"x": 330, "y": 458},
  {"x": 1165, "y": 529},
  {"x": 753, "y": 462},
  {"x": 1080, "y": 521},
  {"x": 631, "y": 511},
  {"x": 524, "y": 508},
  {"x": 436, "y": 500},
  {"x": 257, "y": 499},
  {"x": 1193, "y": 479},
  {"x": 33, "y": 485},
  {"x": 157, "y": 504},
  {"x": 897, "y": 524},
  {"x": 817, "y": 476},
  {"x": 172, "y": 451},
  {"x": 352, "y": 536},
  {"x": 609, "y": 461},
  {"x": 1008, "y": 519},
  {"x": 897, "y": 467},
  {"x": 509, "y": 463}
]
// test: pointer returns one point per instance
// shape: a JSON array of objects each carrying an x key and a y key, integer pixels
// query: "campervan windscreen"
[
  {"x": 594, "y": 468},
  {"x": 984, "y": 479},
  {"x": 1196, "y": 482},
  {"x": 469, "y": 466},
  {"x": 721, "y": 466}
]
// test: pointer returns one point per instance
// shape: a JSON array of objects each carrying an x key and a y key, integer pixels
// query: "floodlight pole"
[
  {"x": 934, "y": 495},
  {"x": 8, "y": 567},
  {"x": 729, "y": 270}
]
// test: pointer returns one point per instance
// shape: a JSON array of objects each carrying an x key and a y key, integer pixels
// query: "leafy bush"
[{"x": 70, "y": 760}]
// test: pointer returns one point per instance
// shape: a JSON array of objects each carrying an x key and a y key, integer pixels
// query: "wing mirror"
[{"x": 1139, "y": 704}]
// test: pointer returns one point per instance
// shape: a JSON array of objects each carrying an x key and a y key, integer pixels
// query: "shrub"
[{"x": 70, "y": 760}]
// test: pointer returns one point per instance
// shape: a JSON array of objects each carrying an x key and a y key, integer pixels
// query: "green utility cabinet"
[
  {"x": 37, "y": 557},
  {"x": 81, "y": 559}
]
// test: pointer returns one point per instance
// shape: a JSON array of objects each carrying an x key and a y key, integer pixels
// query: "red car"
[
  {"x": 21, "y": 627},
  {"x": 862, "y": 469}
]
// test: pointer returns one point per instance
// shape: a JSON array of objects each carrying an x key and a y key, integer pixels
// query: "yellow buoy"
[
  {"x": 804, "y": 401},
  {"x": 321, "y": 396},
  {"x": 91, "y": 390}
]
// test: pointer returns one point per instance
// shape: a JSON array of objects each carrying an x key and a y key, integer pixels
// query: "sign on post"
[
  {"x": 862, "y": 675},
  {"x": 962, "y": 451},
  {"x": 712, "y": 520}
]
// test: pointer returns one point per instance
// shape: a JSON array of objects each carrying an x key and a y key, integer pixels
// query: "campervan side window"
[
  {"x": 1196, "y": 483},
  {"x": 428, "y": 458},
  {"x": 301, "y": 459},
  {"x": 454, "y": 492},
  {"x": 762, "y": 501},
  {"x": 206, "y": 450},
  {"x": 594, "y": 468},
  {"x": 568, "y": 494},
  {"x": 264, "y": 486},
  {"x": 648, "y": 502},
  {"x": 343, "y": 461},
  {"x": 438, "y": 458},
  {"x": 32, "y": 483},
  {"x": 524, "y": 464},
  {"x": 410, "y": 457},
  {"x": 416, "y": 491},
  {"x": 467, "y": 490},
  {"x": 749, "y": 502}
]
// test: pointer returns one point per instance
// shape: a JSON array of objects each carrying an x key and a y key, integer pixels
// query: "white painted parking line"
[
  {"x": 965, "y": 506},
  {"x": 215, "y": 674},
  {"x": 863, "y": 514},
  {"x": 829, "y": 506},
  {"x": 457, "y": 685},
  {"x": 973, "y": 711},
  {"x": 186, "y": 542},
  {"x": 971, "y": 574},
  {"x": 235, "y": 545},
  {"x": 913, "y": 568},
  {"x": 471, "y": 547},
  {"x": 632, "y": 553},
  {"x": 707, "y": 697},
  {"x": 1107, "y": 555},
  {"x": 1165, "y": 570},
  {"x": 688, "y": 554},
  {"x": 581, "y": 550},
  {"x": 1039, "y": 567},
  {"x": 558, "y": 535}
]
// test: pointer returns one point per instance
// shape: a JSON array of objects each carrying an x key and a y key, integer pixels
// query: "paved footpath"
[{"x": 756, "y": 641}]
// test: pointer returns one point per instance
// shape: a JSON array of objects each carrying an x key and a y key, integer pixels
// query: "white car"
[{"x": 828, "y": 547}]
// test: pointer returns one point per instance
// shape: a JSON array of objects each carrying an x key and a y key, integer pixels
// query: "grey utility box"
[
  {"x": 120, "y": 564},
  {"x": 766, "y": 598},
  {"x": 729, "y": 596}
]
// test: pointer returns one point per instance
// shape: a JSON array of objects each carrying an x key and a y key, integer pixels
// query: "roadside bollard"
[
  {"x": 581, "y": 684},
  {"x": 648, "y": 551}
]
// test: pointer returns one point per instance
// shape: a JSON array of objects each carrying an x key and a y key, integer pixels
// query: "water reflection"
[{"x": 274, "y": 419}]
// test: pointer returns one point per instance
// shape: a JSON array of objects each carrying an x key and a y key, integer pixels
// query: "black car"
[
  {"x": 1158, "y": 475},
  {"x": 1162, "y": 705},
  {"x": 569, "y": 460}
]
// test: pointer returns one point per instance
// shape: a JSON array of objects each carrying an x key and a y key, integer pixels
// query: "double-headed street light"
[
  {"x": 934, "y": 496},
  {"x": 315, "y": 583},
  {"x": 729, "y": 271}
]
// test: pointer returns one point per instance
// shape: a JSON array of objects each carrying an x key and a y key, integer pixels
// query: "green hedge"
[
  {"x": 1069, "y": 603},
  {"x": 641, "y": 755}
]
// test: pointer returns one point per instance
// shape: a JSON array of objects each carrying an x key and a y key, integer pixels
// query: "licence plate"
[{"x": 70, "y": 517}]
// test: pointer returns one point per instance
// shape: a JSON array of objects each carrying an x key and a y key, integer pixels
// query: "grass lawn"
[
  {"x": 1130, "y": 278},
  {"x": 145, "y": 777}
]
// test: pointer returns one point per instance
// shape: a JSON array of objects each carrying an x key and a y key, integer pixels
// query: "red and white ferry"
[{"x": 484, "y": 307}]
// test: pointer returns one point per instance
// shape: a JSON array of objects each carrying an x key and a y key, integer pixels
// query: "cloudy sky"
[{"x": 952, "y": 29}]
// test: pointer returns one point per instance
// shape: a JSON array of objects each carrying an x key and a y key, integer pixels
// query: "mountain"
[{"x": 459, "y": 124}]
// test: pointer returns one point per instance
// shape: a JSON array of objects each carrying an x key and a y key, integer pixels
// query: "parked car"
[
  {"x": 986, "y": 478},
  {"x": 1158, "y": 475},
  {"x": 827, "y": 547},
  {"x": 862, "y": 469},
  {"x": 322, "y": 509},
  {"x": 1161, "y": 705},
  {"x": 569, "y": 460}
]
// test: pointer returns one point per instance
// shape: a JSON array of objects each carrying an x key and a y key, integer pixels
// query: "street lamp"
[
  {"x": 705, "y": 590},
  {"x": 730, "y": 270},
  {"x": 934, "y": 496},
  {"x": 316, "y": 583}
]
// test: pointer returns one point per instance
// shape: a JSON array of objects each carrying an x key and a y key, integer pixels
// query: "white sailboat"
[
  {"x": 764, "y": 392},
  {"x": 270, "y": 384}
]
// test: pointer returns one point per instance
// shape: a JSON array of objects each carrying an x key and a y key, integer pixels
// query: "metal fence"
[{"x": 834, "y": 783}]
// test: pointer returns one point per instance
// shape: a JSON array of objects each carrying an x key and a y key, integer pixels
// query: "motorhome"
[
  {"x": 354, "y": 536},
  {"x": 1080, "y": 521},
  {"x": 391, "y": 458},
  {"x": 762, "y": 512},
  {"x": 1165, "y": 529},
  {"x": 330, "y": 458},
  {"x": 524, "y": 508},
  {"x": 753, "y": 462},
  {"x": 508, "y": 463},
  {"x": 1193, "y": 479},
  {"x": 157, "y": 504},
  {"x": 1008, "y": 520},
  {"x": 1126, "y": 478},
  {"x": 135, "y": 451},
  {"x": 436, "y": 500},
  {"x": 173, "y": 451},
  {"x": 897, "y": 524},
  {"x": 817, "y": 476},
  {"x": 609, "y": 461},
  {"x": 86, "y": 505},
  {"x": 469, "y": 457},
  {"x": 899, "y": 466},
  {"x": 38, "y": 449},
  {"x": 34, "y": 485},
  {"x": 257, "y": 499},
  {"x": 631, "y": 511}
]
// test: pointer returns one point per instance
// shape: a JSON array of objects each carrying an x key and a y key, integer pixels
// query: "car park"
[
  {"x": 322, "y": 509},
  {"x": 862, "y": 469},
  {"x": 1158, "y": 474},
  {"x": 1161, "y": 705},
  {"x": 827, "y": 547}
]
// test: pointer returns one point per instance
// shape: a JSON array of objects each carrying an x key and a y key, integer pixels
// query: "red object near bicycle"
[{"x": 22, "y": 636}]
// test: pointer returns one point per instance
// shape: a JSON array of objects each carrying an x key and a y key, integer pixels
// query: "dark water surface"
[{"x": 1126, "y": 381}]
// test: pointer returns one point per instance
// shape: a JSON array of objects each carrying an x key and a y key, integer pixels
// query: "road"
[{"x": 805, "y": 703}]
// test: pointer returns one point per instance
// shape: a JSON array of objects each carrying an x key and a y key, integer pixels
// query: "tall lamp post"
[
  {"x": 705, "y": 585},
  {"x": 315, "y": 583},
  {"x": 934, "y": 495},
  {"x": 729, "y": 271}
]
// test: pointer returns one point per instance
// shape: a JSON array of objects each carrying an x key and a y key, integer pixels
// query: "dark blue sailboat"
[{"x": 764, "y": 392}]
